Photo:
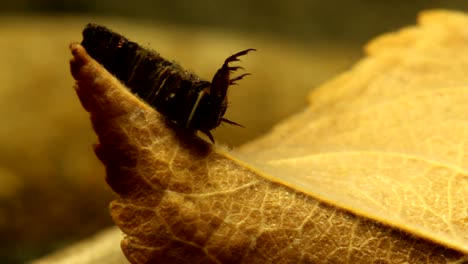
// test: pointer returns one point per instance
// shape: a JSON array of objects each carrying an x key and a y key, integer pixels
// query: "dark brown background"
[{"x": 303, "y": 20}]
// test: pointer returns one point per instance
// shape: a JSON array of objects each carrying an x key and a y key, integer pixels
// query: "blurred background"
[{"x": 52, "y": 187}]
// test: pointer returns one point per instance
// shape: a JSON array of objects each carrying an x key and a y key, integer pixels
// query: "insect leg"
[
  {"x": 208, "y": 134},
  {"x": 233, "y": 80},
  {"x": 234, "y": 68},
  {"x": 234, "y": 56},
  {"x": 221, "y": 81},
  {"x": 230, "y": 122}
]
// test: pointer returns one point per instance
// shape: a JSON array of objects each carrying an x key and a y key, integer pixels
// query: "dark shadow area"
[{"x": 308, "y": 21}]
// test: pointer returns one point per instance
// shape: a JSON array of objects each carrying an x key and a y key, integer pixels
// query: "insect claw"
[
  {"x": 234, "y": 68},
  {"x": 231, "y": 122},
  {"x": 234, "y": 56},
  {"x": 232, "y": 81},
  {"x": 208, "y": 134}
]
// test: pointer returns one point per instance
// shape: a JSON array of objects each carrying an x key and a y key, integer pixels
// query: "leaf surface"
[
  {"x": 379, "y": 150},
  {"x": 392, "y": 143}
]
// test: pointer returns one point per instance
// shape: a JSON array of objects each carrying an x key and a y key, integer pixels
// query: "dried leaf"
[
  {"x": 390, "y": 141},
  {"x": 381, "y": 146}
]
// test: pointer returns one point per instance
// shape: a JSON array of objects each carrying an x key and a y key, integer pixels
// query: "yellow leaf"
[
  {"x": 388, "y": 139},
  {"x": 380, "y": 150}
]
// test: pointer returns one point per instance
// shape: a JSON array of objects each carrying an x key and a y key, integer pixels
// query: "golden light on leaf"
[
  {"x": 380, "y": 149},
  {"x": 392, "y": 147}
]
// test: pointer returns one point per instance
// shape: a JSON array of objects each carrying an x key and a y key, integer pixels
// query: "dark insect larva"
[{"x": 176, "y": 93}]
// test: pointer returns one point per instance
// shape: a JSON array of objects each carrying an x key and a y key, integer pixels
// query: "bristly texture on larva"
[{"x": 181, "y": 96}]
